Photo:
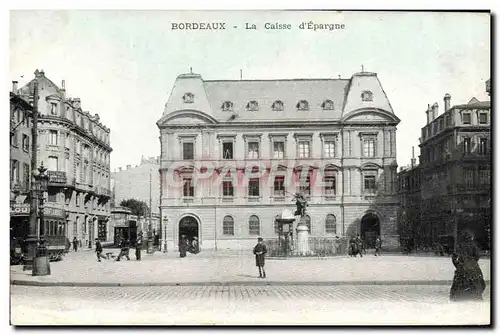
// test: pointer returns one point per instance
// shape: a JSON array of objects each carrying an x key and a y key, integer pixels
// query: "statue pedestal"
[{"x": 302, "y": 239}]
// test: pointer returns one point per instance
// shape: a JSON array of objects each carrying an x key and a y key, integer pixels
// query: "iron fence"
[{"x": 318, "y": 247}]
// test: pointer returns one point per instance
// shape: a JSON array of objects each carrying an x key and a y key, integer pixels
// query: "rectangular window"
[
  {"x": 85, "y": 173},
  {"x": 329, "y": 149},
  {"x": 253, "y": 150},
  {"x": 304, "y": 149},
  {"x": 75, "y": 226},
  {"x": 253, "y": 187},
  {"x": 466, "y": 119},
  {"x": 187, "y": 150},
  {"x": 441, "y": 124},
  {"x": 369, "y": 148},
  {"x": 227, "y": 150},
  {"x": 483, "y": 118},
  {"x": 188, "y": 189},
  {"x": 330, "y": 185},
  {"x": 77, "y": 199},
  {"x": 53, "y": 108},
  {"x": 370, "y": 185},
  {"x": 53, "y": 164},
  {"x": 102, "y": 231},
  {"x": 78, "y": 173},
  {"x": 66, "y": 141},
  {"x": 15, "y": 139},
  {"x": 278, "y": 150},
  {"x": 484, "y": 178},
  {"x": 26, "y": 176},
  {"x": 227, "y": 188},
  {"x": 26, "y": 142},
  {"x": 483, "y": 146},
  {"x": 469, "y": 178},
  {"x": 467, "y": 145},
  {"x": 305, "y": 184},
  {"x": 279, "y": 186},
  {"x": 14, "y": 176},
  {"x": 52, "y": 196},
  {"x": 53, "y": 137}
]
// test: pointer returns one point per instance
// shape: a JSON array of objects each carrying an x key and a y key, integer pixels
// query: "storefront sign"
[
  {"x": 19, "y": 209},
  {"x": 51, "y": 211},
  {"x": 57, "y": 177}
]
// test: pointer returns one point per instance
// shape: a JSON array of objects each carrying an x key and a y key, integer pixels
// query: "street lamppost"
[{"x": 41, "y": 265}]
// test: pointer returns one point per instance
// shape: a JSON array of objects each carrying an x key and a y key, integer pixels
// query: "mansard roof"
[{"x": 280, "y": 99}]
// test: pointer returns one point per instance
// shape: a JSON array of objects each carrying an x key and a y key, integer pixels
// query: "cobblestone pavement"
[
  {"x": 244, "y": 305},
  {"x": 82, "y": 267}
]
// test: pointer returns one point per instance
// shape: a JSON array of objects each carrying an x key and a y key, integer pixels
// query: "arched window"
[
  {"x": 367, "y": 96},
  {"x": 277, "y": 105},
  {"x": 254, "y": 225},
  {"x": 307, "y": 220},
  {"x": 327, "y": 105},
  {"x": 330, "y": 224},
  {"x": 302, "y": 105},
  {"x": 252, "y": 106},
  {"x": 227, "y": 106},
  {"x": 228, "y": 226}
]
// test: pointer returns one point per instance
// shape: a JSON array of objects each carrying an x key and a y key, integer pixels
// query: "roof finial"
[
  {"x": 362, "y": 68},
  {"x": 191, "y": 70},
  {"x": 241, "y": 74}
]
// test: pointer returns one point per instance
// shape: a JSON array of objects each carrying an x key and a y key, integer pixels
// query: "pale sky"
[{"x": 122, "y": 64}]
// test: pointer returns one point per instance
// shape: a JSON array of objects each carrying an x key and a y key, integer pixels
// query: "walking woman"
[
  {"x": 260, "y": 251},
  {"x": 468, "y": 282}
]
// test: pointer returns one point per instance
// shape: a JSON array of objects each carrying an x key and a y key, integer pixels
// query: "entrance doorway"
[
  {"x": 370, "y": 229},
  {"x": 188, "y": 226}
]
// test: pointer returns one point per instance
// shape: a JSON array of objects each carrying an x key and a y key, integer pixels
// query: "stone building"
[
  {"x": 234, "y": 152},
  {"x": 138, "y": 182},
  {"x": 455, "y": 164},
  {"x": 75, "y": 147},
  {"x": 21, "y": 124}
]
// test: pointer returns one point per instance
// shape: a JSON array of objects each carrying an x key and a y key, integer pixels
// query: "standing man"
[
  {"x": 378, "y": 245},
  {"x": 138, "y": 248},
  {"x": 183, "y": 245},
  {"x": 98, "y": 249},
  {"x": 359, "y": 243},
  {"x": 75, "y": 244},
  {"x": 260, "y": 251}
]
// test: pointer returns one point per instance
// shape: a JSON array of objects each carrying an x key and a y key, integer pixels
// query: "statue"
[{"x": 301, "y": 203}]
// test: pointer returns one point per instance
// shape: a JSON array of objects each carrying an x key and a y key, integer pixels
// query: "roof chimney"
[
  {"x": 435, "y": 110},
  {"x": 429, "y": 113},
  {"x": 447, "y": 98},
  {"x": 63, "y": 84},
  {"x": 128, "y": 167},
  {"x": 14, "y": 87}
]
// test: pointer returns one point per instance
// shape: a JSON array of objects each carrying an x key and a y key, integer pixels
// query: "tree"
[{"x": 137, "y": 207}]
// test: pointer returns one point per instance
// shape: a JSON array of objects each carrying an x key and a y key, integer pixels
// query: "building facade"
[
  {"x": 409, "y": 187},
  {"x": 233, "y": 153},
  {"x": 455, "y": 164},
  {"x": 21, "y": 125},
  {"x": 141, "y": 182},
  {"x": 75, "y": 148}
]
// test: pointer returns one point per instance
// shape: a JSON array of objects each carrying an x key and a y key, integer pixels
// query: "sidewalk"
[{"x": 225, "y": 267}]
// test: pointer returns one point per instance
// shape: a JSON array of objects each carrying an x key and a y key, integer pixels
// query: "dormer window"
[
  {"x": 327, "y": 105},
  {"x": 277, "y": 105},
  {"x": 227, "y": 106},
  {"x": 252, "y": 106},
  {"x": 367, "y": 96},
  {"x": 188, "y": 98},
  {"x": 302, "y": 105}
]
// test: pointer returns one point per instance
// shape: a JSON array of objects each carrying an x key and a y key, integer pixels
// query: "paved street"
[
  {"x": 291, "y": 304},
  {"x": 206, "y": 267}
]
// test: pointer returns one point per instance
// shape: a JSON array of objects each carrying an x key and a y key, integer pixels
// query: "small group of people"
[
  {"x": 124, "y": 249},
  {"x": 185, "y": 245},
  {"x": 357, "y": 246}
]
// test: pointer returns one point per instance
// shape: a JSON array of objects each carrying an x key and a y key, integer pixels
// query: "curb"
[{"x": 235, "y": 283}]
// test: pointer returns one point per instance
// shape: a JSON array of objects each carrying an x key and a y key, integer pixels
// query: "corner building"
[
  {"x": 74, "y": 147},
  {"x": 234, "y": 152}
]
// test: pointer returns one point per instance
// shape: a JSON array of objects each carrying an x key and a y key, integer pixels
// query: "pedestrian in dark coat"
[
  {"x": 123, "y": 251},
  {"x": 98, "y": 250},
  {"x": 352, "y": 247},
  {"x": 378, "y": 246},
  {"x": 138, "y": 248},
  {"x": 468, "y": 282},
  {"x": 260, "y": 251},
  {"x": 183, "y": 245},
  {"x": 75, "y": 244},
  {"x": 359, "y": 245}
]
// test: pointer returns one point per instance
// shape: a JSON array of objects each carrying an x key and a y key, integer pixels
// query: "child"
[{"x": 260, "y": 251}]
